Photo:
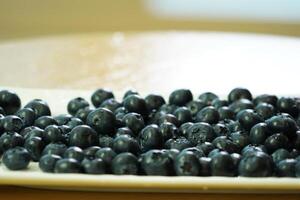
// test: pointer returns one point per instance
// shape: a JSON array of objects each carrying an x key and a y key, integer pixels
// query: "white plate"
[{"x": 33, "y": 177}]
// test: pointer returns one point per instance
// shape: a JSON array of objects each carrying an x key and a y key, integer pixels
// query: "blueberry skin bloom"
[
  {"x": 76, "y": 104},
  {"x": 151, "y": 138},
  {"x": 47, "y": 162},
  {"x": 125, "y": 163},
  {"x": 9, "y": 101},
  {"x": 102, "y": 120},
  {"x": 40, "y": 107},
  {"x": 83, "y": 136},
  {"x": 256, "y": 164},
  {"x": 16, "y": 158},
  {"x": 200, "y": 132},
  {"x": 180, "y": 97},
  {"x": 187, "y": 164},
  {"x": 67, "y": 165},
  {"x": 157, "y": 163},
  {"x": 222, "y": 164}
]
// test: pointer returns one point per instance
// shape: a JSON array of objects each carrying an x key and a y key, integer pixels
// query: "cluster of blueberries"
[{"x": 186, "y": 136}]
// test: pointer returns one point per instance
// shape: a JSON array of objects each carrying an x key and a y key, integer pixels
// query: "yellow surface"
[{"x": 35, "y": 17}]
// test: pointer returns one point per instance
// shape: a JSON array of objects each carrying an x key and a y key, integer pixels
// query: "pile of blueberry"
[{"x": 186, "y": 136}]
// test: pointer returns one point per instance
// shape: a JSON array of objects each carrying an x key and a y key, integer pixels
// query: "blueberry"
[
  {"x": 208, "y": 97},
  {"x": 134, "y": 121},
  {"x": 169, "y": 118},
  {"x": 124, "y": 131},
  {"x": 75, "y": 104},
  {"x": 226, "y": 113},
  {"x": 172, "y": 153},
  {"x": 195, "y": 106},
  {"x": 102, "y": 120},
  {"x": 248, "y": 118},
  {"x": 180, "y": 97},
  {"x": 287, "y": 105},
  {"x": 125, "y": 163},
  {"x": 213, "y": 153},
  {"x": 259, "y": 133},
  {"x": 83, "y": 113},
  {"x": 135, "y": 103},
  {"x": 106, "y": 141},
  {"x": 297, "y": 141},
  {"x": 297, "y": 169},
  {"x": 83, "y": 136},
  {"x": 221, "y": 129},
  {"x": 178, "y": 143},
  {"x": 33, "y": 132},
  {"x": 27, "y": 115},
  {"x": 257, "y": 164},
  {"x": 111, "y": 104},
  {"x": 154, "y": 101},
  {"x": 90, "y": 152},
  {"x": 12, "y": 123},
  {"x": 236, "y": 159},
  {"x": 183, "y": 115},
  {"x": 286, "y": 168},
  {"x": 197, "y": 152},
  {"x": 168, "y": 130},
  {"x": 233, "y": 126},
  {"x": 125, "y": 143},
  {"x": 55, "y": 148},
  {"x": 73, "y": 122},
  {"x": 35, "y": 147},
  {"x": 240, "y": 105},
  {"x": 157, "y": 163},
  {"x": 265, "y": 98},
  {"x": 63, "y": 119},
  {"x": 239, "y": 93},
  {"x": 16, "y": 158},
  {"x": 265, "y": 110},
  {"x": 151, "y": 138},
  {"x": 44, "y": 121},
  {"x": 294, "y": 153},
  {"x": 206, "y": 147},
  {"x": 96, "y": 166},
  {"x": 106, "y": 154},
  {"x": 284, "y": 124},
  {"x": 218, "y": 103},
  {"x": 9, "y": 101},
  {"x": 250, "y": 149},
  {"x": 67, "y": 165},
  {"x": 47, "y": 162},
  {"x": 75, "y": 153},
  {"x": 184, "y": 128},
  {"x": 168, "y": 108},
  {"x": 54, "y": 133},
  {"x": 240, "y": 139},
  {"x": 208, "y": 114},
  {"x": 276, "y": 141},
  {"x": 280, "y": 154},
  {"x": 130, "y": 92},
  {"x": 101, "y": 95},
  {"x": 10, "y": 140},
  {"x": 40, "y": 107},
  {"x": 223, "y": 143},
  {"x": 222, "y": 164},
  {"x": 187, "y": 164},
  {"x": 205, "y": 166},
  {"x": 200, "y": 132}
]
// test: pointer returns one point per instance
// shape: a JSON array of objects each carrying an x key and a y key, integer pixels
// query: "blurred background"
[
  {"x": 143, "y": 44},
  {"x": 20, "y": 18}
]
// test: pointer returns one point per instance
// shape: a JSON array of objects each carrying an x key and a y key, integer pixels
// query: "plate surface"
[{"x": 33, "y": 177}]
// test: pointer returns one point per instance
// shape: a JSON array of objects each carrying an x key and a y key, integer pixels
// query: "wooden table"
[{"x": 150, "y": 62}]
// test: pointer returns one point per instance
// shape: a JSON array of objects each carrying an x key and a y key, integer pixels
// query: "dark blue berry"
[
  {"x": 10, "y": 140},
  {"x": 276, "y": 141},
  {"x": 44, "y": 121},
  {"x": 135, "y": 103},
  {"x": 259, "y": 133},
  {"x": 195, "y": 106},
  {"x": 54, "y": 133},
  {"x": 179, "y": 143},
  {"x": 35, "y": 147},
  {"x": 265, "y": 98},
  {"x": 9, "y": 101},
  {"x": 75, "y": 104},
  {"x": 63, "y": 119},
  {"x": 106, "y": 141},
  {"x": 280, "y": 154},
  {"x": 200, "y": 132},
  {"x": 248, "y": 118},
  {"x": 27, "y": 115},
  {"x": 83, "y": 113},
  {"x": 75, "y": 153},
  {"x": 187, "y": 164},
  {"x": 240, "y": 105},
  {"x": 239, "y": 93},
  {"x": 102, "y": 120},
  {"x": 12, "y": 123},
  {"x": 184, "y": 128},
  {"x": 207, "y": 97},
  {"x": 16, "y": 158},
  {"x": 154, "y": 101},
  {"x": 101, "y": 95},
  {"x": 55, "y": 148},
  {"x": 47, "y": 162},
  {"x": 226, "y": 113},
  {"x": 183, "y": 115},
  {"x": 151, "y": 138},
  {"x": 180, "y": 97},
  {"x": 111, "y": 104},
  {"x": 222, "y": 164},
  {"x": 40, "y": 107},
  {"x": 96, "y": 166},
  {"x": 168, "y": 130},
  {"x": 125, "y": 143},
  {"x": 223, "y": 143},
  {"x": 218, "y": 103},
  {"x": 125, "y": 163},
  {"x": 265, "y": 110},
  {"x": 286, "y": 168},
  {"x": 83, "y": 136},
  {"x": 287, "y": 105},
  {"x": 90, "y": 152},
  {"x": 206, "y": 147},
  {"x": 67, "y": 165},
  {"x": 209, "y": 115},
  {"x": 134, "y": 121}
]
